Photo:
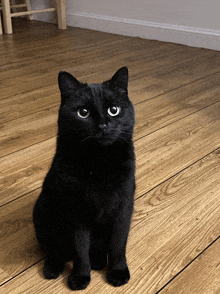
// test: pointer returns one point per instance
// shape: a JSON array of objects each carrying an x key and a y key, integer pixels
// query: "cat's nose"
[{"x": 103, "y": 127}]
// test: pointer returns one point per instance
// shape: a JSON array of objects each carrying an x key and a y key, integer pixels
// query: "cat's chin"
[{"x": 105, "y": 141}]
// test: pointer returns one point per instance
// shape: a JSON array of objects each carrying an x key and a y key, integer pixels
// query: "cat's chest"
[
  {"x": 100, "y": 171},
  {"x": 101, "y": 182},
  {"x": 103, "y": 199}
]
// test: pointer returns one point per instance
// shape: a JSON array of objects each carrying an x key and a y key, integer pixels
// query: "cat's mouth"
[{"x": 104, "y": 139}]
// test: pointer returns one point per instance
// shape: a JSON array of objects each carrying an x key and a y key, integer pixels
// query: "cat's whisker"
[{"x": 85, "y": 139}]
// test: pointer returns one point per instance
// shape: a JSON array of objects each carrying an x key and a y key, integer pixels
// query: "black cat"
[{"x": 84, "y": 210}]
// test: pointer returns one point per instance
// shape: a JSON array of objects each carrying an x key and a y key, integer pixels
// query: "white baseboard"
[{"x": 197, "y": 37}]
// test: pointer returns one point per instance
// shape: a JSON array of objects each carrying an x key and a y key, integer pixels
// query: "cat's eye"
[
  {"x": 114, "y": 110},
  {"x": 83, "y": 112}
]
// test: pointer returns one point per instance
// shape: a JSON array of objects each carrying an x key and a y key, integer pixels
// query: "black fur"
[{"x": 84, "y": 210}]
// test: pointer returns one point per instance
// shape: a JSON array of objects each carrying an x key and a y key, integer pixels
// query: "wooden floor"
[{"x": 174, "y": 244}]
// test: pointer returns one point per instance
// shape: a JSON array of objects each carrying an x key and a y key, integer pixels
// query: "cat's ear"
[
  {"x": 120, "y": 78},
  {"x": 67, "y": 82}
]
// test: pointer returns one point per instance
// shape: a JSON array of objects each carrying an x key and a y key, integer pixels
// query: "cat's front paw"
[
  {"x": 118, "y": 277},
  {"x": 78, "y": 282},
  {"x": 52, "y": 271}
]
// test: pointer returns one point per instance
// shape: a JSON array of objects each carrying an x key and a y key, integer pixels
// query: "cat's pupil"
[
  {"x": 83, "y": 112},
  {"x": 113, "y": 109}
]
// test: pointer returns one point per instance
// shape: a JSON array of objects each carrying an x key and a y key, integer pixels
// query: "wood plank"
[
  {"x": 64, "y": 57},
  {"x": 181, "y": 216},
  {"x": 160, "y": 155},
  {"x": 154, "y": 57},
  {"x": 152, "y": 52},
  {"x": 23, "y": 29},
  {"x": 151, "y": 115},
  {"x": 19, "y": 248},
  {"x": 4, "y": 276},
  {"x": 126, "y": 50},
  {"x": 28, "y": 130},
  {"x": 202, "y": 276},
  {"x": 43, "y": 97},
  {"x": 169, "y": 150},
  {"x": 30, "y": 102},
  {"x": 16, "y": 50},
  {"x": 32, "y": 281},
  {"x": 24, "y": 171},
  {"x": 156, "y": 113},
  {"x": 81, "y": 46},
  {"x": 158, "y": 80}
]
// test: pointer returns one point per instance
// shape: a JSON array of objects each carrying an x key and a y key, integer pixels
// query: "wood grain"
[
  {"x": 69, "y": 39},
  {"x": 19, "y": 248},
  {"x": 28, "y": 103},
  {"x": 202, "y": 275},
  {"x": 28, "y": 130},
  {"x": 162, "y": 110},
  {"x": 157, "y": 64},
  {"x": 157, "y": 81},
  {"x": 161, "y": 154},
  {"x": 25, "y": 170}
]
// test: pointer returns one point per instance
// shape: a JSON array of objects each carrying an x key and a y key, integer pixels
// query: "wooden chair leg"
[
  {"x": 12, "y": 2},
  {"x": 7, "y": 16},
  {"x": 0, "y": 24},
  {"x": 61, "y": 13},
  {"x": 28, "y": 5},
  {"x": 60, "y": 7}
]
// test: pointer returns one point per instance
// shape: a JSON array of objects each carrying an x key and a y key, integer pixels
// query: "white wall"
[
  {"x": 193, "y": 13},
  {"x": 190, "y": 22},
  {"x": 42, "y": 4}
]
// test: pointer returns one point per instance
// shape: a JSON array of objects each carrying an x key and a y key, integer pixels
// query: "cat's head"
[{"x": 99, "y": 112}]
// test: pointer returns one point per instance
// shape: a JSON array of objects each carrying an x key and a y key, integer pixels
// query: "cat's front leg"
[
  {"x": 53, "y": 267},
  {"x": 118, "y": 272},
  {"x": 98, "y": 249},
  {"x": 80, "y": 276}
]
